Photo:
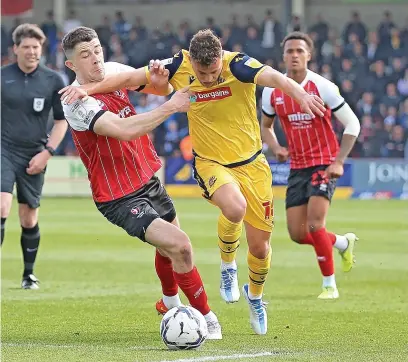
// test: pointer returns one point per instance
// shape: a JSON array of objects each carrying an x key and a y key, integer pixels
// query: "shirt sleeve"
[
  {"x": 82, "y": 116},
  {"x": 56, "y": 99},
  {"x": 115, "y": 67},
  {"x": 267, "y": 107},
  {"x": 173, "y": 64},
  {"x": 245, "y": 68},
  {"x": 330, "y": 95}
]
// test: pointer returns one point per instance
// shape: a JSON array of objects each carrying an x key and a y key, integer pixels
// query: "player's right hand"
[
  {"x": 159, "y": 75},
  {"x": 282, "y": 154},
  {"x": 71, "y": 94},
  {"x": 312, "y": 104},
  {"x": 181, "y": 100}
]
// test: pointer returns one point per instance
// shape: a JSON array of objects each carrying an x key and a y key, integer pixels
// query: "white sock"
[
  {"x": 252, "y": 296},
  {"x": 329, "y": 281},
  {"x": 341, "y": 242},
  {"x": 210, "y": 316},
  {"x": 226, "y": 265},
  {"x": 171, "y": 302}
]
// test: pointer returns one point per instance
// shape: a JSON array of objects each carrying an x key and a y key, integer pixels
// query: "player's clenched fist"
[
  {"x": 335, "y": 170},
  {"x": 181, "y": 100},
  {"x": 159, "y": 75}
]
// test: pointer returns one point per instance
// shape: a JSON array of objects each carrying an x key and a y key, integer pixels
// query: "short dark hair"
[
  {"x": 205, "y": 47},
  {"x": 28, "y": 31},
  {"x": 298, "y": 35},
  {"x": 76, "y": 36}
]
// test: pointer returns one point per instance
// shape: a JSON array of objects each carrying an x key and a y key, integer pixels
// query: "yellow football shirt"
[{"x": 223, "y": 120}]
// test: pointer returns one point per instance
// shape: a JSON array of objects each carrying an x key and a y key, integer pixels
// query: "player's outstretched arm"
[
  {"x": 125, "y": 129},
  {"x": 132, "y": 79},
  {"x": 310, "y": 104}
]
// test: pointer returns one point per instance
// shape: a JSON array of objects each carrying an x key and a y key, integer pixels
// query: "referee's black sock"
[
  {"x": 30, "y": 240},
  {"x": 3, "y": 225}
]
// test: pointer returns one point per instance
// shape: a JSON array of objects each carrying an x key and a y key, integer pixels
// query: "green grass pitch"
[{"x": 96, "y": 301}]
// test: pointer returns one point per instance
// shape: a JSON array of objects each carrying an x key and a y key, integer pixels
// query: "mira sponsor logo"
[
  {"x": 298, "y": 117},
  {"x": 212, "y": 95},
  {"x": 300, "y": 120}
]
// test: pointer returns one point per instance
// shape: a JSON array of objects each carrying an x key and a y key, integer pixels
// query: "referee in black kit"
[{"x": 28, "y": 92}]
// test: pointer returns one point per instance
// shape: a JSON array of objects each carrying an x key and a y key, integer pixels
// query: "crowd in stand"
[{"x": 370, "y": 66}]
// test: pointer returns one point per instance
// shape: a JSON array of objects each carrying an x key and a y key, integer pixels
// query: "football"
[{"x": 183, "y": 327}]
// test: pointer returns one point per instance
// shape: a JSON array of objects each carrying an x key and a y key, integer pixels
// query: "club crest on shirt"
[
  {"x": 79, "y": 111},
  {"x": 38, "y": 104}
]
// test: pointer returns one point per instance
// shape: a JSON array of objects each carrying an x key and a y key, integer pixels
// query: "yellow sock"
[
  {"x": 258, "y": 271},
  {"x": 228, "y": 238}
]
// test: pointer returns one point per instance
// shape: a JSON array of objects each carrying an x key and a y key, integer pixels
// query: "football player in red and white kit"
[
  {"x": 316, "y": 161},
  {"x": 121, "y": 161}
]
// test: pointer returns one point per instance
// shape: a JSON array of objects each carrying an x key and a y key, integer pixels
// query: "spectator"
[
  {"x": 403, "y": 118},
  {"x": 253, "y": 44},
  {"x": 391, "y": 98},
  {"x": 394, "y": 148},
  {"x": 104, "y": 31},
  {"x": 271, "y": 31},
  {"x": 366, "y": 106},
  {"x": 403, "y": 85},
  {"x": 121, "y": 26},
  {"x": 385, "y": 27},
  {"x": 355, "y": 26},
  {"x": 71, "y": 22}
]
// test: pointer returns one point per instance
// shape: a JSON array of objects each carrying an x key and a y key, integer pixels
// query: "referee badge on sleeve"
[{"x": 38, "y": 104}]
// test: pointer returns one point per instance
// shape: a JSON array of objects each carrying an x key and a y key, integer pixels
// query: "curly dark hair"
[
  {"x": 297, "y": 35},
  {"x": 205, "y": 47}
]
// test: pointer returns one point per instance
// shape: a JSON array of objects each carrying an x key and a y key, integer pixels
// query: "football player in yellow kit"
[{"x": 228, "y": 165}]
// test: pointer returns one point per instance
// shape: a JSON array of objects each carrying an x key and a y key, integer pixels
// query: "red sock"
[
  {"x": 332, "y": 237},
  {"x": 324, "y": 251},
  {"x": 164, "y": 270},
  {"x": 192, "y": 286},
  {"x": 307, "y": 240}
]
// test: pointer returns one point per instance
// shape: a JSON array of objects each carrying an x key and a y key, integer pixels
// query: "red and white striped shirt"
[
  {"x": 311, "y": 141},
  {"x": 115, "y": 168}
]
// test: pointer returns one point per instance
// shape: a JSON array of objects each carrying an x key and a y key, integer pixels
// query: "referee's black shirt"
[{"x": 26, "y": 101}]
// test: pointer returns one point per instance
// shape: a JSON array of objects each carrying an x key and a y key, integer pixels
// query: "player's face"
[
  {"x": 296, "y": 55},
  {"x": 88, "y": 61},
  {"x": 208, "y": 75},
  {"x": 28, "y": 53}
]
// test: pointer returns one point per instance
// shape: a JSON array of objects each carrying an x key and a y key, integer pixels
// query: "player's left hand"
[
  {"x": 71, "y": 94},
  {"x": 159, "y": 75},
  {"x": 38, "y": 162},
  {"x": 335, "y": 170},
  {"x": 312, "y": 105}
]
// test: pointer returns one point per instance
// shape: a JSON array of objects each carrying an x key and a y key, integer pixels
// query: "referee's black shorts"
[
  {"x": 13, "y": 172},
  {"x": 136, "y": 211}
]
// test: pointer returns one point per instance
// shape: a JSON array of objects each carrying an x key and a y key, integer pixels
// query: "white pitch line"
[
  {"x": 78, "y": 346},
  {"x": 228, "y": 357}
]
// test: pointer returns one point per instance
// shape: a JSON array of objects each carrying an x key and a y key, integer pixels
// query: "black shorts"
[
  {"x": 306, "y": 182},
  {"x": 136, "y": 211},
  {"x": 13, "y": 171}
]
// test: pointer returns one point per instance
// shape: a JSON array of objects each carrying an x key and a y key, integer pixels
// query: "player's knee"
[
  {"x": 5, "y": 205},
  {"x": 260, "y": 250},
  {"x": 182, "y": 250},
  {"x": 315, "y": 223},
  {"x": 235, "y": 212},
  {"x": 28, "y": 217}
]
